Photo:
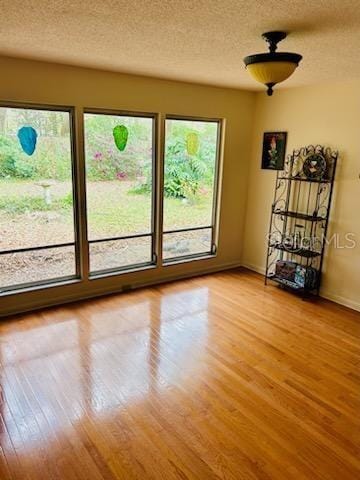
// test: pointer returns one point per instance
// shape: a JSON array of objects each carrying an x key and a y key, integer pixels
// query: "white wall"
[{"x": 328, "y": 115}]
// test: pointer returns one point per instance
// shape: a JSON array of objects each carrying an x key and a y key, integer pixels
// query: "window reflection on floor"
[{"x": 97, "y": 363}]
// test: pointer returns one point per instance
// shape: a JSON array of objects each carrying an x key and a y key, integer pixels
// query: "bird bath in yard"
[{"x": 46, "y": 185}]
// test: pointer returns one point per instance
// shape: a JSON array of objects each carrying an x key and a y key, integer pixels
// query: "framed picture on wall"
[{"x": 273, "y": 152}]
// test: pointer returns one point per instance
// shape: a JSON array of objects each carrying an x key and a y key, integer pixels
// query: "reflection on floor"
[{"x": 214, "y": 377}]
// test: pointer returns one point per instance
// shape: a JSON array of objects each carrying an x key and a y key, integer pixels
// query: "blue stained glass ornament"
[{"x": 27, "y": 137}]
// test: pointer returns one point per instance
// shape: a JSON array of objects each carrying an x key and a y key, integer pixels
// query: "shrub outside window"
[{"x": 190, "y": 188}]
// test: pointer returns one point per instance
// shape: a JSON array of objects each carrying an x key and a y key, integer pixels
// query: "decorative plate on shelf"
[{"x": 314, "y": 166}]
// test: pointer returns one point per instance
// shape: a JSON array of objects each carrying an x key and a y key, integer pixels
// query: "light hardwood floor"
[{"x": 217, "y": 377}]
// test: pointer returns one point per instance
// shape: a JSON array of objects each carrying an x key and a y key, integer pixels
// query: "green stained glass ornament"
[
  {"x": 192, "y": 143},
  {"x": 121, "y": 134}
]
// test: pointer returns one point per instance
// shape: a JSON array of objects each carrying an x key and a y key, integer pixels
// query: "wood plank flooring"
[{"x": 217, "y": 377}]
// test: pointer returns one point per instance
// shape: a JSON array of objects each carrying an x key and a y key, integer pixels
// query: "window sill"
[
  {"x": 177, "y": 261},
  {"x": 115, "y": 273},
  {"x": 43, "y": 286}
]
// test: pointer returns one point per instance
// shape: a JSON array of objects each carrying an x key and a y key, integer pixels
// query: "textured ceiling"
[{"x": 193, "y": 40}]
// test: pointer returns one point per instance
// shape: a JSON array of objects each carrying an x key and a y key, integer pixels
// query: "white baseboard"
[
  {"x": 346, "y": 302},
  {"x": 254, "y": 268}
]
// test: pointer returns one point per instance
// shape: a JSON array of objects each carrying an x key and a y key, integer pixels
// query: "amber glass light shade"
[
  {"x": 271, "y": 72},
  {"x": 272, "y": 68}
]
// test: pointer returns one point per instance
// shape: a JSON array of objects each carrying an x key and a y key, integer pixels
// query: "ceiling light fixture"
[{"x": 273, "y": 67}]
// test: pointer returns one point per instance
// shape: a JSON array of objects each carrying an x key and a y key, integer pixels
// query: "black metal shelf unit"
[{"x": 299, "y": 219}]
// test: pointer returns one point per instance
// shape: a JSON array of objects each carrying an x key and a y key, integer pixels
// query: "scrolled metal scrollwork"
[{"x": 300, "y": 213}]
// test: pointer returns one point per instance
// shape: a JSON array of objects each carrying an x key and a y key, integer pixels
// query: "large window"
[
  {"x": 190, "y": 188},
  {"x": 119, "y": 182},
  {"x": 37, "y": 239},
  {"x": 45, "y": 230}
]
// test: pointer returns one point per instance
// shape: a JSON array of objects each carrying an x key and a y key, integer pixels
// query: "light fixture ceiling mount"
[{"x": 273, "y": 67}]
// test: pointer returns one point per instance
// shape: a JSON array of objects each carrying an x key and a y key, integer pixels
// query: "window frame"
[
  {"x": 93, "y": 275},
  {"x": 215, "y": 213},
  {"x": 33, "y": 285},
  {"x": 81, "y": 242}
]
